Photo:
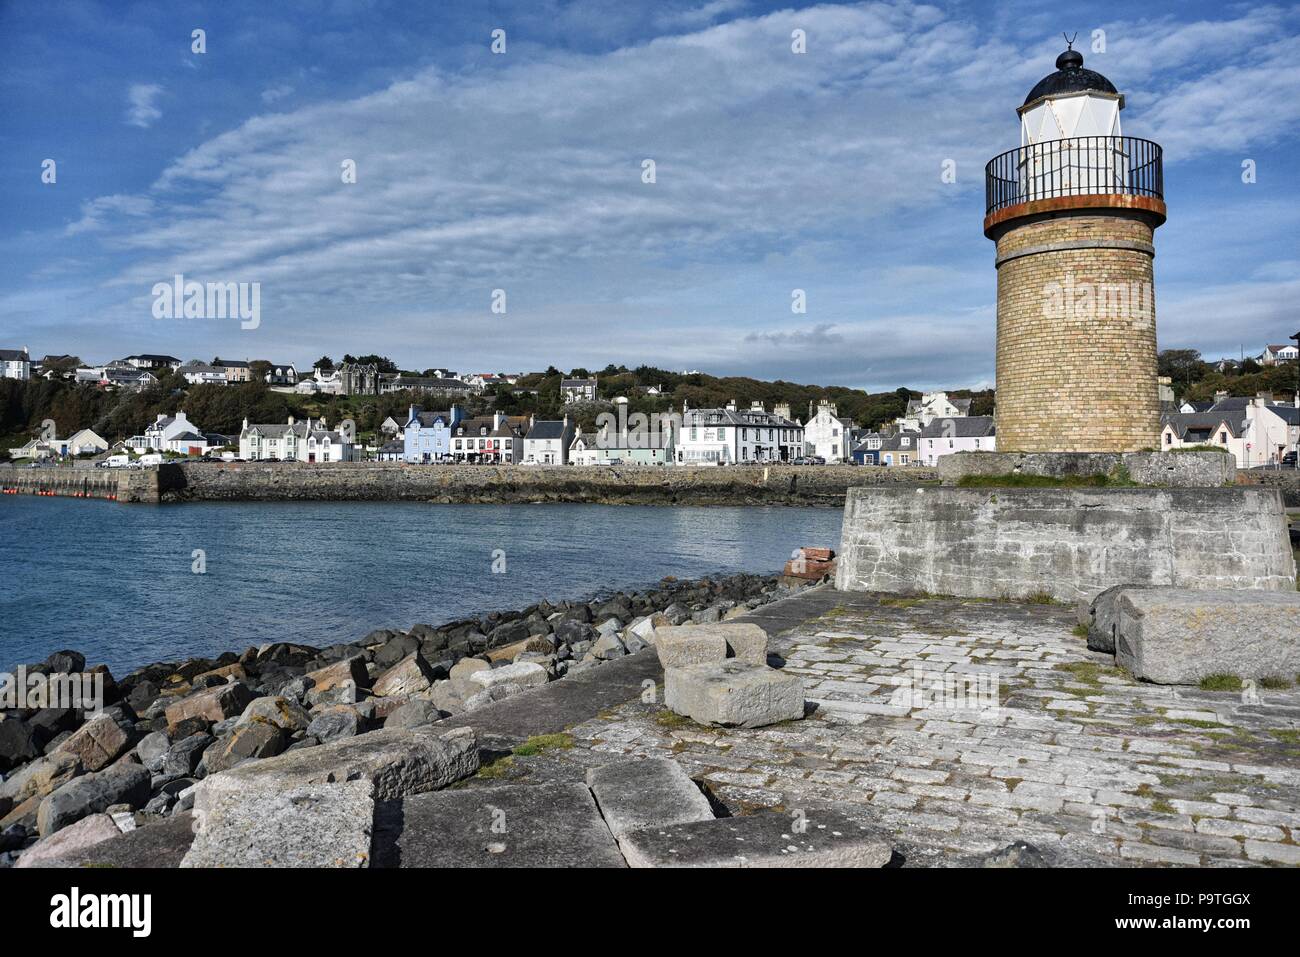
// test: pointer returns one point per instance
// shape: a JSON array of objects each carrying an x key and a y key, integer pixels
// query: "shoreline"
[
  {"x": 166, "y": 725},
  {"x": 777, "y": 484}
]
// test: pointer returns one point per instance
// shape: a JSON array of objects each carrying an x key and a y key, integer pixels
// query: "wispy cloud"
[
  {"x": 775, "y": 171},
  {"x": 142, "y": 109}
]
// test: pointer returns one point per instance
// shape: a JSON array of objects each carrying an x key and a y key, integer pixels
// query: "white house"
[
  {"x": 826, "y": 434},
  {"x": 152, "y": 362},
  {"x": 294, "y": 441},
  {"x": 932, "y": 405},
  {"x": 943, "y": 436},
  {"x": 727, "y": 436},
  {"x": 578, "y": 390},
  {"x": 15, "y": 364},
  {"x": 1257, "y": 431},
  {"x": 1272, "y": 355},
  {"x": 82, "y": 441},
  {"x": 159, "y": 436},
  {"x": 200, "y": 373},
  {"x": 547, "y": 441}
]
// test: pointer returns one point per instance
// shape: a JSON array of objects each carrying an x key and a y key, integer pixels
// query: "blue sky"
[{"x": 523, "y": 171}]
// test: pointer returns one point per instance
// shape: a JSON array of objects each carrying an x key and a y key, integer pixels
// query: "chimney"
[
  {"x": 731, "y": 405},
  {"x": 756, "y": 406},
  {"x": 782, "y": 409}
]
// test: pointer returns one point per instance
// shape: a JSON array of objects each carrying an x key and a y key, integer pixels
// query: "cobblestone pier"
[{"x": 1077, "y": 758}]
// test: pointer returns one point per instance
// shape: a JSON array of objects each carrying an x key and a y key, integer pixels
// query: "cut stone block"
[
  {"x": 698, "y": 644},
  {"x": 745, "y": 641},
  {"x": 733, "y": 693},
  {"x": 398, "y": 761},
  {"x": 1179, "y": 636},
  {"x": 651, "y": 792},
  {"x": 767, "y": 839},
  {"x": 682, "y": 645},
  {"x": 522, "y": 825},
  {"x": 270, "y": 823}
]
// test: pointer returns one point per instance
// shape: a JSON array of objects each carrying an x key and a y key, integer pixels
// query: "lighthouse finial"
[{"x": 1069, "y": 41}]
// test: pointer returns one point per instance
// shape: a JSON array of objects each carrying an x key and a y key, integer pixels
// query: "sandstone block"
[
  {"x": 213, "y": 705},
  {"x": 349, "y": 669}
]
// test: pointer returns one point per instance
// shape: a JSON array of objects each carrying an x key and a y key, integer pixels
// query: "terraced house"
[
  {"x": 427, "y": 435},
  {"x": 729, "y": 436},
  {"x": 489, "y": 439},
  {"x": 294, "y": 441}
]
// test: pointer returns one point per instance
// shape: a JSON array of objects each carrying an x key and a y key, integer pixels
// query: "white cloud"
[
  {"x": 142, "y": 109},
  {"x": 271, "y": 94},
  {"x": 774, "y": 170}
]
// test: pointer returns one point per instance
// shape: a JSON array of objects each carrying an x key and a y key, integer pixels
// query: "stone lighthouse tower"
[{"x": 1073, "y": 211}]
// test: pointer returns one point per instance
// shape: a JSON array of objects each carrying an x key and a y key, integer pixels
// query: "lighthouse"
[{"x": 1073, "y": 212}]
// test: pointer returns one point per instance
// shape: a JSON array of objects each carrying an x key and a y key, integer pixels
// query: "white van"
[{"x": 153, "y": 458}]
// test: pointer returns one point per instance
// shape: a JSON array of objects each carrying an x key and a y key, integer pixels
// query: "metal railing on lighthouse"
[{"x": 1074, "y": 166}]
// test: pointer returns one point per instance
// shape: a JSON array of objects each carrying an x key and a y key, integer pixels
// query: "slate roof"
[
  {"x": 959, "y": 427},
  {"x": 547, "y": 429},
  {"x": 1199, "y": 426}
]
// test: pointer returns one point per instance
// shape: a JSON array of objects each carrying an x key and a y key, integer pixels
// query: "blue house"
[{"x": 428, "y": 434}]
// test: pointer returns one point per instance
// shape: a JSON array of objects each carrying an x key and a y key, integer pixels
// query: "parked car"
[{"x": 1289, "y": 460}]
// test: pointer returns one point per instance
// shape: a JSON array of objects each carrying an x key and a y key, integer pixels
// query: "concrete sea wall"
[
  {"x": 1069, "y": 544},
  {"x": 644, "y": 485},
  {"x": 121, "y": 485},
  {"x": 1167, "y": 469}
]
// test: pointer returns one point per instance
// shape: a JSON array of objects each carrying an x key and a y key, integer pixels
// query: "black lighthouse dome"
[{"x": 1070, "y": 77}]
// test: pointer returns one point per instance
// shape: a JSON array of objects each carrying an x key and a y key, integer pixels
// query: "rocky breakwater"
[
  {"x": 483, "y": 484},
  {"x": 207, "y": 736}
]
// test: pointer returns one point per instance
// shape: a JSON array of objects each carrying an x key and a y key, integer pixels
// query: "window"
[{"x": 1223, "y": 438}]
